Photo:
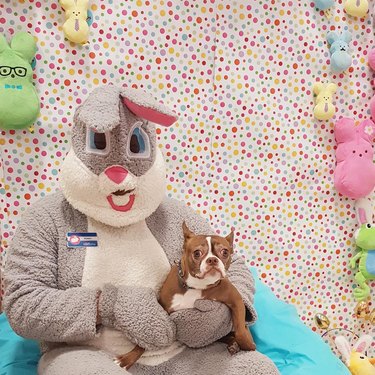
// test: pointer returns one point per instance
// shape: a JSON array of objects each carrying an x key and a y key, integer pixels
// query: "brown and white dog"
[{"x": 201, "y": 274}]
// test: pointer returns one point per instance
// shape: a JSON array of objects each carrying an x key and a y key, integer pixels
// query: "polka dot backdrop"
[{"x": 246, "y": 151}]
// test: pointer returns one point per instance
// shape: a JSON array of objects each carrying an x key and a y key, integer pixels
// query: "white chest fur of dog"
[{"x": 125, "y": 256}]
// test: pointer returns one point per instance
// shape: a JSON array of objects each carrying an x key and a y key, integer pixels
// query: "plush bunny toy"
[
  {"x": 371, "y": 62},
  {"x": 354, "y": 175},
  {"x": 340, "y": 50},
  {"x": 99, "y": 251},
  {"x": 19, "y": 102}
]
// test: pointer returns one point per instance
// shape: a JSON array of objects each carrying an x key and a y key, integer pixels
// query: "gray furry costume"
[{"x": 113, "y": 189}]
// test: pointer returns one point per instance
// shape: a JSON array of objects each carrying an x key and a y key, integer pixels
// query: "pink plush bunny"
[
  {"x": 355, "y": 171},
  {"x": 371, "y": 62}
]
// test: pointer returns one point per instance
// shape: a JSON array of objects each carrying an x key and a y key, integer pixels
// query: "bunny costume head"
[
  {"x": 355, "y": 172},
  {"x": 114, "y": 172}
]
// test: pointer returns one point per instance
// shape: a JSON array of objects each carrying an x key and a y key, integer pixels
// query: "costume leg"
[
  {"x": 78, "y": 360},
  {"x": 211, "y": 360}
]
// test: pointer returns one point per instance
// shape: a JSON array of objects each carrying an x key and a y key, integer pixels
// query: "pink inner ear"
[
  {"x": 362, "y": 215},
  {"x": 149, "y": 113},
  {"x": 361, "y": 347}
]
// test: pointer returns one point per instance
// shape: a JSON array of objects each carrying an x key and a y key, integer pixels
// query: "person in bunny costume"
[{"x": 86, "y": 263}]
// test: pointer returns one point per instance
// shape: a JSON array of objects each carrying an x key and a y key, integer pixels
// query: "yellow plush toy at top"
[
  {"x": 324, "y": 109},
  {"x": 75, "y": 27},
  {"x": 356, "y": 8}
]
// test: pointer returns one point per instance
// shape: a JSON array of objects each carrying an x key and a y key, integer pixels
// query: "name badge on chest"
[{"x": 76, "y": 239}]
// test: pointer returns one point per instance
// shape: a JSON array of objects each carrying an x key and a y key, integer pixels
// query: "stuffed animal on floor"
[
  {"x": 324, "y": 108},
  {"x": 75, "y": 27},
  {"x": 354, "y": 176},
  {"x": 19, "y": 102},
  {"x": 355, "y": 358},
  {"x": 356, "y": 8},
  {"x": 371, "y": 62},
  {"x": 86, "y": 264},
  {"x": 339, "y": 49}
]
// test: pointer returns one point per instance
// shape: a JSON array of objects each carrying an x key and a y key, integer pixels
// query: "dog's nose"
[
  {"x": 212, "y": 261},
  {"x": 116, "y": 174}
]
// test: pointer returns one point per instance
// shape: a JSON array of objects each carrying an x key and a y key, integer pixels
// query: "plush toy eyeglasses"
[{"x": 18, "y": 70}]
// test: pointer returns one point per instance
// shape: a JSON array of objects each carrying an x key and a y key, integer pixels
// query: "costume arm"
[
  {"x": 136, "y": 312},
  {"x": 34, "y": 304}
]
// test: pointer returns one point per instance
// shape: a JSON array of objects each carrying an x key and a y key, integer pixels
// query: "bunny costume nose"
[{"x": 116, "y": 174}]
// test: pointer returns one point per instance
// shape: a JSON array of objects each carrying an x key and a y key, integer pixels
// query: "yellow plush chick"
[
  {"x": 75, "y": 27},
  {"x": 355, "y": 357},
  {"x": 324, "y": 109},
  {"x": 360, "y": 364},
  {"x": 356, "y": 8}
]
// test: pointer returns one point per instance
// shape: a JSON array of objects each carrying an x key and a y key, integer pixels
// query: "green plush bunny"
[{"x": 19, "y": 102}]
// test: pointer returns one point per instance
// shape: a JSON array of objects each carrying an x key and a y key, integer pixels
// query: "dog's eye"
[
  {"x": 197, "y": 254},
  {"x": 225, "y": 253},
  {"x": 361, "y": 357}
]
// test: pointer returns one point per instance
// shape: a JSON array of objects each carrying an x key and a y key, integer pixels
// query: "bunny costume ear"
[
  {"x": 332, "y": 37},
  {"x": 364, "y": 210},
  {"x": 101, "y": 110},
  {"x": 343, "y": 346},
  {"x": 367, "y": 130},
  {"x": 145, "y": 106},
  {"x": 344, "y": 130},
  {"x": 363, "y": 343}
]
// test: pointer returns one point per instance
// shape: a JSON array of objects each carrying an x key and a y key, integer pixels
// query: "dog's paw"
[{"x": 233, "y": 348}]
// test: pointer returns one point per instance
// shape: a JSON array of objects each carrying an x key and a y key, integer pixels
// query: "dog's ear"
[
  {"x": 230, "y": 238},
  {"x": 187, "y": 232}
]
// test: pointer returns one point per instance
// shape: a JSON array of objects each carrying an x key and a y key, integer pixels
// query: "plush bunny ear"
[
  {"x": 24, "y": 44},
  {"x": 332, "y": 88},
  {"x": 371, "y": 57},
  {"x": 343, "y": 346},
  {"x": 364, "y": 210},
  {"x": 67, "y": 4},
  {"x": 344, "y": 130},
  {"x": 100, "y": 111},
  {"x": 3, "y": 44},
  {"x": 362, "y": 344},
  {"x": 318, "y": 87},
  {"x": 367, "y": 130},
  {"x": 346, "y": 36},
  {"x": 145, "y": 106},
  {"x": 332, "y": 37}
]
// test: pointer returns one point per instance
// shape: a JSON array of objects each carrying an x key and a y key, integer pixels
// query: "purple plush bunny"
[{"x": 355, "y": 171}]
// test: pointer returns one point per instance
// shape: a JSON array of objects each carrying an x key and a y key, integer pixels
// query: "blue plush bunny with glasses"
[
  {"x": 340, "y": 50},
  {"x": 19, "y": 102}
]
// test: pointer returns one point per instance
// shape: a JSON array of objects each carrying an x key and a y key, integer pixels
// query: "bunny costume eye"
[
  {"x": 368, "y": 226},
  {"x": 97, "y": 143},
  {"x": 138, "y": 143}
]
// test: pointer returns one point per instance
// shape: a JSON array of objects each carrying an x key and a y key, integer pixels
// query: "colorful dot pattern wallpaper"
[{"x": 246, "y": 152}]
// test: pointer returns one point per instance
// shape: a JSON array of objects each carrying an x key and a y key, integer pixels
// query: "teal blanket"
[{"x": 278, "y": 333}]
